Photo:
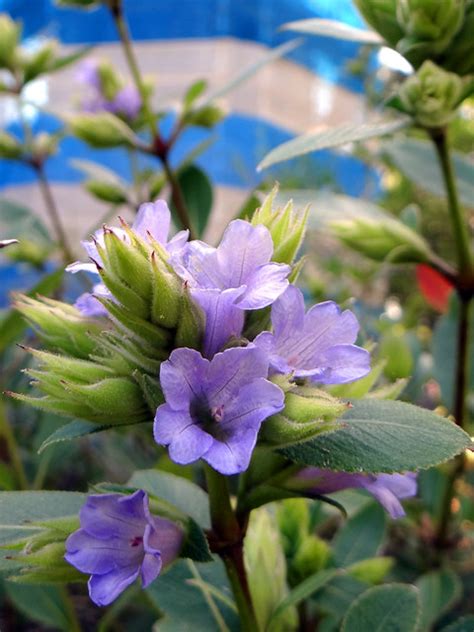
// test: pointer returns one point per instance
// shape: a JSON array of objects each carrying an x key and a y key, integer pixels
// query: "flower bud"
[
  {"x": 383, "y": 239},
  {"x": 207, "y": 116},
  {"x": 287, "y": 227},
  {"x": 44, "y": 145},
  {"x": 9, "y": 146},
  {"x": 459, "y": 56},
  {"x": 308, "y": 411},
  {"x": 167, "y": 293},
  {"x": 106, "y": 191},
  {"x": 39, "y": 62},
  {"x": 432, "y": 95},
  {"x": 311, "y": 556},
  {"x": 381, "y": 15},
  {"x": 110, "y": 83},
  {"x": 191, "y": 323},
  {"x": 60, "y": 326},
  {"x": 429, "y": 27},
  {"x": 9, "y": 38},
  {"x": 101, "y": 130}
]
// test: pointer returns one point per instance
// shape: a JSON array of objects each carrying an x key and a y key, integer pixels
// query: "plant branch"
[
  {"x": 13, "y": 451},
  {"x": 177, "y": 197},
  {"x": 52, "y": 210}
]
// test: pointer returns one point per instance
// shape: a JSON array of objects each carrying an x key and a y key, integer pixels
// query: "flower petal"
[
  {"x": 189, "y": 445},
  {"x": 165, "y": 537},
  {"x": 170, "y": 423},
  {"x": 288, "y": 313},
  {"x": 103, "y": 589},
  {"x": 92, "y": 555},
  {"x": 265, "y": 285},
  {"x": 232, "y": 457},
  {"x": 154, "y": 218},
  {"x": 182, "y": 377},
  {"x": 114, "y": 515},
  {"x": 338, "y": 365}
]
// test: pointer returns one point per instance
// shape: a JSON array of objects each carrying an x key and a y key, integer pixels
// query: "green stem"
[
  {"x": 460, "y": 229},
  {"x": 464, "y": 282},
  {"x": 13, "y": 451},
  {"x": 229, "y": 537},
  {"x": 74, "y": 622},
  {"x": 52, "y": 211},
  {"x": 177, "y": 197}
]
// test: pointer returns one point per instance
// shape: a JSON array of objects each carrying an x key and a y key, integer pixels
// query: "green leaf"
[
  {"x": 181, "y": 595},
  {"x": 275, "y": 53},
  {"x": 197, "y": 193},
  {"x": 17, "y": 222},
  {"x": 383, "y": 436},
  {"x": 372, "y": 570},
  {"x": 332, "y": 137},
  {"x": 196, "y": 546},
  {"x": 72, "y": 430},
  {"x": 389, "y": 608},
  {"x": 465, "y": 624},
  {"x": 12, "y": 325},
  {"x": 67, "y": 60},
  {"x": 418, "y": 161},
  {"x": 439, "y": 591},
  {"x": 361, "y": 537},
  {"x": 306, "y": 589},
  {"x": 178, "y": 491},
  {"x": 44, "y": 604},
  {"x": 333, "y": 28},
  {"x": 193, "y": 92},
  {"x": 336, "y": 597},
  {"x": 444, "y": 348}
]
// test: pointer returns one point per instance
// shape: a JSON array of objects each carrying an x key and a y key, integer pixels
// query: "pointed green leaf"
[
  {"x": 383, "y": 436},
  {"x": 333, "y": 28},
  {"x": 72, "y": 430},
  {"x": 332, "y": 137},
  {"x": 46, "y": 605},
  {"x": 361, "y": 536},
  {"x": 439, "y": 591}
]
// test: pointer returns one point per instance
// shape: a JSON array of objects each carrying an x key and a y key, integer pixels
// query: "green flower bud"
[
  {"x": 110, "y": 82},
  {"x": 312, "y": 556},
  {"x": 459, "y": 56},
  {"x": 372, "y": 570},
  {"x": 287, "y": 227},
  {"x": 39, "y": 62},
  {"x": 167, "y": 292},
  {"x": 381, "y": 15},
  {"x": 429, "y": 27},
  {"x": 9, "y": 146},
  {"x": 60, "y": 326},
  {"x": 44, "y": 145},
  {"x": 101, "y": 130},
  {"x": 207, "y": 116},
  {"x": 190, "y": 328},
  {"x": 308, "y": 411},
  {"x": 383, "y": 239},
  {"x": 9, "y": 38},
  {"x": 106, "y": 191},
  {"x": 293, "y": 522}
]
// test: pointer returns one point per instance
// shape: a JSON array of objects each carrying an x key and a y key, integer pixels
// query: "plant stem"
[
  {"x": 464, "y": 283},
  {"x": 159, "y": 148},
  {"x": 52, "y": 211},
  {"x": 229, "y": 545},
  {"x": 13, "y": 451},
  {"x": 460, "y": 229}
]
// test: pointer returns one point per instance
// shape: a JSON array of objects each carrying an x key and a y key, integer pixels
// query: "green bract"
[
  {"x": 9, "y": 38},
  {"x": 382, "y": 16}
]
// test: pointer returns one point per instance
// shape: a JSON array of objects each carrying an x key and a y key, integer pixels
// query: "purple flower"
[
  {"x": 153, "y": 218},
  {"x": 126, "y": 101},
  {"x": 388, "y": 489},
  {"x": 214, "y": 409},
  {"x": 118, "y": 541},
  {"x": 235, "y": 276},
  {"x": 318, "y": 344}
]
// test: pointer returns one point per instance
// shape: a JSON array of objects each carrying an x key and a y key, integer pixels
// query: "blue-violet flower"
[
  {"x": 120, "y": 540},
  {"x": 318, "y": 344},
  {"x": 235, "y": 276},
  {"x": 387, "y": 489},
  {"x": 214, "y": 409}
]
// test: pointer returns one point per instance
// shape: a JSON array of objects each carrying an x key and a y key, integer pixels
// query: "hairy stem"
[
  {"x": 52, "y": 211},
  {"x": 464, "y": 283},
  {"x": 229, "y": 539},
  {"x": 178, "y": 198},
  {"x": 13, "y": 451}
]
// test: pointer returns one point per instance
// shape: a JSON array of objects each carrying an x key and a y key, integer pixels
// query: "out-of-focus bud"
[
  {"x": 101, "y": 130},
  {"x": 432, "y": 95},
  {"x": 9, "y": 38},
  {"x": 60, "y": 326},
  {"x": 32, "y": 251},
  {"x": 44, "y": 145},
  {"x": 39, "y": 62},
  {"x": 110, "y": 82},
  {"x": 396, "y": 352},
  {"x": 372, "y": 570},
  {"x": 381, "y": 15},
  {"x": 429, "y": 27},
  {"x": 79, "y": 4},
  {"x": 382, "y": 239},
  {"x": 9, "y": 146},
  {"x": 207, "y": 116},
  {"x": 286, "y": 225},
  {"x": 459, "y": 56},
  {"x": 311, "y": 556},
  {"x": 308, "y": 411},
  {"x": 106, "y": 191}
]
